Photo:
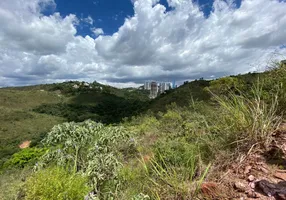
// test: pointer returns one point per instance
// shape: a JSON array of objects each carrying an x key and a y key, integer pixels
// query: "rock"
[
  {"x": 251, "y": 178},
  {"x": 239, "y": 186},
  {"x": 280, "y": 175},
  {"x": 252, "y": 185},
  {"x": 247, "y": 169}
]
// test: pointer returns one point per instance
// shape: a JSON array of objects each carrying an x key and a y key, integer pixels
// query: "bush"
[
  {"x": 89, "y": 148},
  {"x": 226, "y": 84},
  {"x": 177, "y": 153},
  {"x": 24, "y": 157},
  {"x": 171, "y": 122},
  {"x": 55, "y": 184}
]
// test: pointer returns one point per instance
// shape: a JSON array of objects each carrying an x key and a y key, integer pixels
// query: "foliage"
[
  {"x": 140, "y": 197},
  {"x": 171, "y": 122},
  {"x": 182, "y": 96},
  {"x": 89, "y": 148},
  {"x": 107, "y": 109},
  {"x": 226, "y": 84},
  {"x": 170, "y": 182},
  {"x": 177, "y": 153},
  {"x": 26, "y": 113},
  {"x": 24, "y": 157},
  {"x": 11, "y": 183},
  {"x": 251, "y": 119},
  {"x": 274, "y": 80},
  {"x": 176, "y": 140},
  {"x": 13, "y": 133},
  {"x": 133, "y": 181},
  {"x": 56, "y": 184}
]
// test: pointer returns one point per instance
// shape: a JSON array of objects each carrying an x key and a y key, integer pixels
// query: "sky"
[{"x": 127, "y": 42}]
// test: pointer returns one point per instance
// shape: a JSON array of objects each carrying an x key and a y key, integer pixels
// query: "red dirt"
[
  {"x": 25, "y": 144},
  {"x": 240, "y": 179}
]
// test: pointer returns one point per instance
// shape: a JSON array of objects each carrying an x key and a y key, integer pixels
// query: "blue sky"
[
  {"x": 107, "y": 14},
  {"x": 110, "y": 14},
  {"x": 126, "y": 42}
]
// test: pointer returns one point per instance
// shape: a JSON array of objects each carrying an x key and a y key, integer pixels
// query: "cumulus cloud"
[{"x": 153, "y": 44}]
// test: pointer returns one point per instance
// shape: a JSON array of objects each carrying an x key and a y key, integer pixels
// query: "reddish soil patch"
[
  {"x": 25, "y": 144},
  {"x": 261, "y": 174}
]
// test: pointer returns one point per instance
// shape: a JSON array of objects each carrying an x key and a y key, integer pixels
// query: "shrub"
[
  {"x": 171, "y": 122},
  {"x": 177, "y": 153},
  {"x": 89, "y": 148},
  {"x": 24, "y": 157},
  {"x": 226, "y": 84},
  {"x": 56, "y": 184}
]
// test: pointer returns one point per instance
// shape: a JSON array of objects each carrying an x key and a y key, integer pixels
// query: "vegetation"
[
  {"x": 24, "y": 157},
  {"x": 28, "y": 113},
  {"x": 55, "y": 184},
  {"x": 116, "y": 144}
]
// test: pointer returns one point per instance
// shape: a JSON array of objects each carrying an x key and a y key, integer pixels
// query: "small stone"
[
  {"x": 251, "y": 178},
  {"x": 252, "y": 185},
  {"x": 247, "y": 169},
  {"x": 239, "y": 186}
]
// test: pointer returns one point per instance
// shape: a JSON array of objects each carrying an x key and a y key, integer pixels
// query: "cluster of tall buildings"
[{"x": 157, "y": 88}]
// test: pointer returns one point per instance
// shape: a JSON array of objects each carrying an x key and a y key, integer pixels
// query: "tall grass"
[
  {"x": 174, "y": 182},
  {"x": 249, "y": 117}
]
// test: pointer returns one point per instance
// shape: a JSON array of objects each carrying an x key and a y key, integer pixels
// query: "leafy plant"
[
  {"x": 24, "y": 157},
  {"x": 226, "y": 84},
  {"x": 89, "y": 148},
  {"x": 56, "y": 184}
]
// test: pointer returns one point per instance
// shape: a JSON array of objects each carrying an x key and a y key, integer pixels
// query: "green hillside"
[
  {"x": 27, "y": 113},
  {"x": 118, "y": 144}
]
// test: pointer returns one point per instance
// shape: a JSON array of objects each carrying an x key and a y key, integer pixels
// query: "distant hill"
[
  {"x": 196, "y": 90},
  {"x": 27, "y": 113}
]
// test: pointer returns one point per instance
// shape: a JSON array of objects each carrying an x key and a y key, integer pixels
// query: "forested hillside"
[{"x": 193, "y": 142}]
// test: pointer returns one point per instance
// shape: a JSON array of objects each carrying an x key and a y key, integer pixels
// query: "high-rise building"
[
  {"x": 174, "y": 84},
  {"x": 147, "y": 86},
  {"x": 164, "y": 86},
  {"x": 154, "y": 90}
]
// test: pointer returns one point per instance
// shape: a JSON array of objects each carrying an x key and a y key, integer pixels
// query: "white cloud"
[
  {"x": 153, "y": 44},
  {"x": 97, "y": 31}
]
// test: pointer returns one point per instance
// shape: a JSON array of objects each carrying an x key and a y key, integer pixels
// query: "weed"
[
  {"x": 56, "y": 184},
  {"x": 245, "y": 118}
]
